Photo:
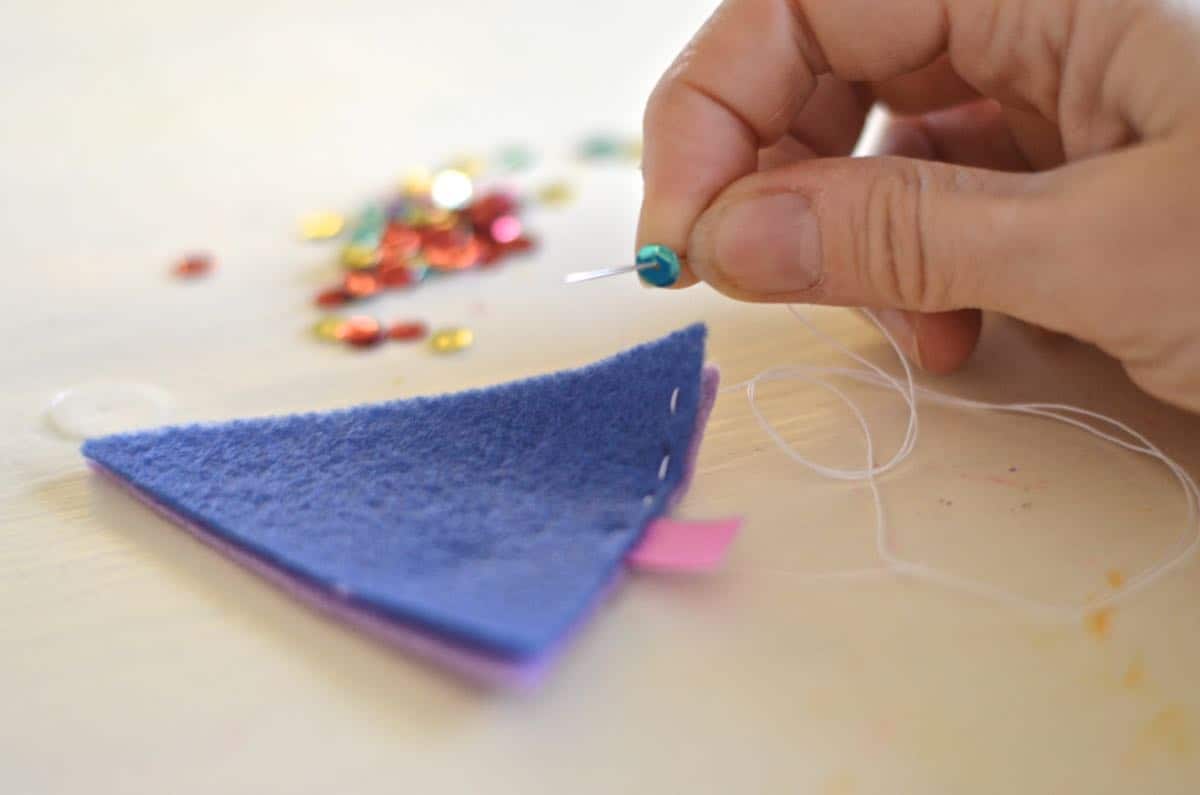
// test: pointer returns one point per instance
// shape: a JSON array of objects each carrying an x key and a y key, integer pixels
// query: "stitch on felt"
[{"x": 666, "y": 459}]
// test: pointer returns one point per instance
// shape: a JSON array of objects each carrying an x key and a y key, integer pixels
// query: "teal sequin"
[
  {"x": 666, "y": 270},
  {"x": 368, "y": 231},
  {"x": 600, "y": 147},
  {"x": 516, "y": 158}
]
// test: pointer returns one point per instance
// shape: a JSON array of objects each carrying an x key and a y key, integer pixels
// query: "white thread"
[
  {"x": 873, "y": 375},
  {"x": 665, "y": 464}
]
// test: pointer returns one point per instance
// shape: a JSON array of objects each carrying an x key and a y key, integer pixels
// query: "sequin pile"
[
  {"x": 437, "y": 225},
  {"x": 434, "y": 227}
]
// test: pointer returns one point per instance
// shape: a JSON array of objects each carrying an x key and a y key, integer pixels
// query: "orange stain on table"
[
  {"x": 1099, "y": 622},
  {"x": 1169, "y": 730},
  {"x": 1115, "y": 578},
  {"x": 1134, "y": 674}
]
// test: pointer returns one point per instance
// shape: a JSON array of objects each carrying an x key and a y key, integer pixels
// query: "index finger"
[{"x": 746, "y": 75}]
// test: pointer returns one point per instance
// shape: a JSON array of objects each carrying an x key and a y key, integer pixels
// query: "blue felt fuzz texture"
[{"x": 492, "y": 517}]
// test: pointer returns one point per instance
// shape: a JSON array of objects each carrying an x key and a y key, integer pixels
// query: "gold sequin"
[
  {"x": 441, "y": 219},
  {"x": 321, "y": 226},
  {"x": 633, "y": 150},
  {"x": 451, "y": 340},
  {"x": 360, "y": 256},
  {"x": 417, "y": 182},
  {"x": 330, "y": 329},
  {"x": 471, "y": 165},
  {"x": 556, "y": 193}
]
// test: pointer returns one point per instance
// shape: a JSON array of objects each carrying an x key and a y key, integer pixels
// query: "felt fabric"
[
  {"x": 675, "y": 545},
  {"x": 710, "y": 384},
  {"x": 468, "y": 663},
  {"x": 490, "y": 518},
  {"x": 471, "y": 664}
]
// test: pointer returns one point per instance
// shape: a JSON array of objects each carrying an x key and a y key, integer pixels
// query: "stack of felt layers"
[{"x": 477, "y": 527}]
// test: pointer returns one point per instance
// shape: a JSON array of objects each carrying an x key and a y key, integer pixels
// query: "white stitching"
[{"x": 665, "y": 464}]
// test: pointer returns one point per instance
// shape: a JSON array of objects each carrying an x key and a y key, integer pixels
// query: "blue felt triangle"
[{"x": 493, "y": 516}]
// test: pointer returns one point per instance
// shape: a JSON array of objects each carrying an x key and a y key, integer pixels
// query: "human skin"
[{"x": 1042, "y": 161}]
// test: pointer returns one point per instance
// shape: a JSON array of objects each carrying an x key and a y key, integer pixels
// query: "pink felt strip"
[{"x": 684, "y": 545}]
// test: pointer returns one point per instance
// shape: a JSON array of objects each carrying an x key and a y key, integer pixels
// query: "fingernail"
[
  {"x": 902, "y": 328},
  {"x": 769, "y": 244}
]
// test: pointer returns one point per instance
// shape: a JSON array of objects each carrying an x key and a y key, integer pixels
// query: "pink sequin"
[{"x": 505, "y": 229}]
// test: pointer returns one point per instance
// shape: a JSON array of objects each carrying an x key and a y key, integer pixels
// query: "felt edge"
[
  {"x": 710, "y": 383},
  {"x": 694, "y": 338},
  {"x": 695, "y": 330},
  {"x": 467, "y": 663}
]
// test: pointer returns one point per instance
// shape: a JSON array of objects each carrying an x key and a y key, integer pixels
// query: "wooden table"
[{"x": 134, "y": 659}]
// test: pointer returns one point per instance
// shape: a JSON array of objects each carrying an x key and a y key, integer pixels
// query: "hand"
[{"x": 1045, "y": 164}]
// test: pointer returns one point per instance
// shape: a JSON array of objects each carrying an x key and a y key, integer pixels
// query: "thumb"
[{"x": 881, "y": 232}]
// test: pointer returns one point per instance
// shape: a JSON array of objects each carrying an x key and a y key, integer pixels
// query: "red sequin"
[
  {"x": 360, "y": 284},
  {"x": 490, "y": 207},
  {"x": 335, "y": 296},
  {"x": 408, "y": 331},
  {"x": 452, "y": 250},
  {"x": 520, "y": 245},
  {"x": 489, "y": 253},
  {"x": 362, "y": 332},
  {"x": 432, "y": 237},
  {"x": 396, "y": 275},
  {"x": 400, "y": 240},
  {"x": 193, "y": 265}
]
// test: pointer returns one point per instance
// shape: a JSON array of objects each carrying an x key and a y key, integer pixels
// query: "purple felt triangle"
[{"x": 486, "y": 522}]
